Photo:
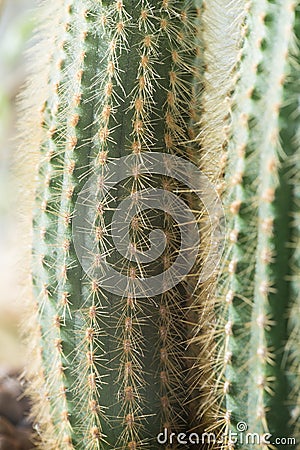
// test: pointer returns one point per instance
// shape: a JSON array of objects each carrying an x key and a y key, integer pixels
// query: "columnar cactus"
[
  {"x": 250, "y": 382},
  {"x": 215, "y": 84},
  {"x": 121, "y": 82},
  {"x": 291, "y": 134}
]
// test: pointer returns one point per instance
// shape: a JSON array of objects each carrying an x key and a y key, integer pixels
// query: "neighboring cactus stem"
[
  {"x": 266, "y": 379},
  {"x": 220, "y": 23},
  {"x": 290, "y": 138}
]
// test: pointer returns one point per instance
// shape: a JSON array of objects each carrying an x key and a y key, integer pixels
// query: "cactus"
[
  {"x": 290, "y": 135},
  {"x": 215, "y": 84},
  {"x": 121, "y": 82},
  {"x": 251, "y": 295}
]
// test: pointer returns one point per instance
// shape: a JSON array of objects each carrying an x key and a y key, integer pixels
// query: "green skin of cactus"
[{"x": 83, "y": 337}]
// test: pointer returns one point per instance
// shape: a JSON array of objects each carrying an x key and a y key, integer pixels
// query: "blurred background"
[{"x": 16, "y": 24}]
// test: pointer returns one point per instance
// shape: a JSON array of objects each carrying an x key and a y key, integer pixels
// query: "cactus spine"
[{"x": 129, "y": 78}]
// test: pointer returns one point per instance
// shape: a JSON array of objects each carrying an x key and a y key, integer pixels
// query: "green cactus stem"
[
  {"x": 290, "y": 137},
  {"x": 249, "y": 381},
  {"x": 121, "y": 82},
  {"x": 268, "y": 326},
  {"x": 219, "y": 23}
]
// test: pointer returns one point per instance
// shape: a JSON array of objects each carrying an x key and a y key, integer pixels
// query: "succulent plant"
[
  {"x": 132, "y": 94},
  {"x": 121, "y": 83},
  {"x": 248, "y": 380}
]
